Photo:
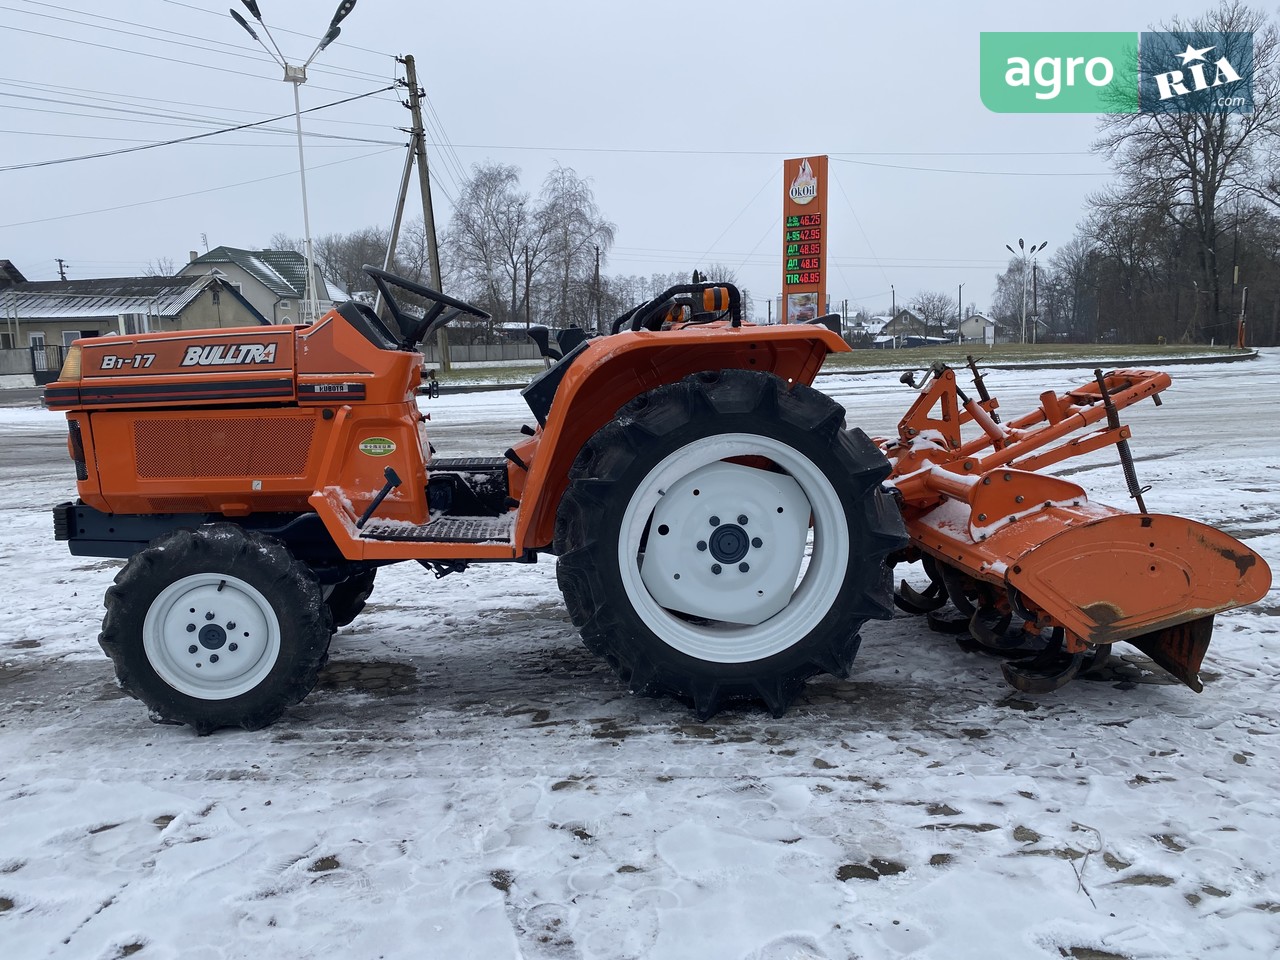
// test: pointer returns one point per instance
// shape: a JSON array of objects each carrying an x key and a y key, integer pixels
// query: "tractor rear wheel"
[
  {"x": 723, "y": 539},
  {"x": 216, "y": 627}
]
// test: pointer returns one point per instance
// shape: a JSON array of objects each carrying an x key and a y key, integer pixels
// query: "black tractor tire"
[
  {"x": 347, "y": 598},
  {"x": 656, "y": 453},
  {"x": 216, "y": 627}
]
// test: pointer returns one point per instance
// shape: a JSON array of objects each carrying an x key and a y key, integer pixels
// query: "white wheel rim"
[
  {"x": 211, "y": 636},
  {"x": 784, "y": 611}
]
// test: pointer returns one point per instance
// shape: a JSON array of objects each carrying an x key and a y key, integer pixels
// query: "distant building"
[
  {"x": 274, "y": 281},
  {"x": 979, "y": 328},
  {"x": 46, "y": 316},
  {"x": 905, "y": 323},
  {"x": 864, "y": 326}
]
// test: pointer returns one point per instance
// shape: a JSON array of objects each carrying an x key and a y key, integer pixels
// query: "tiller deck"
[{"x": 1035, "y": 572}]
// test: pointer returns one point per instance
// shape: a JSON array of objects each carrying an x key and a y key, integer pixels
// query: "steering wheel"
[{"x": 445, "y": 309}]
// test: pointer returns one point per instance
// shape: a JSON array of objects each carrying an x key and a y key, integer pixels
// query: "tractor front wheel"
[
  {"x": 723, "y": 539},
  {"x": 216, "y": 627},
  {"x": 346, "y": 599}
]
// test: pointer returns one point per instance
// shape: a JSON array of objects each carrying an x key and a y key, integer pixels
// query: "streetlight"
[
  {"x": 297, "y": 75},
  {"x": 1024, "y": 255}
]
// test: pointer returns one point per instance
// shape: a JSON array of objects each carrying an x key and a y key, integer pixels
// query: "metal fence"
[{"x": 482, "y": 352}]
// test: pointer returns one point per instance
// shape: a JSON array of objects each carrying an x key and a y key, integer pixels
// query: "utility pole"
[
  {"x": 396, "y": 217},
  {"x": 528, "y": 283},
  {"x": 1241, "y": 340},
  {"x": 1035, "y": 310},
  {"x": 424, "y": 184},
  {"x": 959, "y": 312},
  {"x": 597, "y": 246},
  {"x": 62, "y": 268}
]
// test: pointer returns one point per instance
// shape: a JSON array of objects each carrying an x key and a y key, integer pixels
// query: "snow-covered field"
[{"x": 466, "y": 781}]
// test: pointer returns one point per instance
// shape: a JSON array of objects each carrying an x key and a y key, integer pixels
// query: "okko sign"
[
  {"x": 804, "y": 244},
  {"x": 1191, "y": 71}
]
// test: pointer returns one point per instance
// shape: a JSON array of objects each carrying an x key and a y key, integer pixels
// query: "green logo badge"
[
  {"x": 378, "y": 447},
  {"x": 1059, "y": 72}
]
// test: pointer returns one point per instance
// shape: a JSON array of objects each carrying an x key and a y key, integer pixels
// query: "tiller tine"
[
  {"x": 990, "y": 629},
  {"x": 953, "y": 622},
  {"x": 1097, "y": 657},
  {"x": 910, "y": 600},
  {"x": 1051, "y": 669}
]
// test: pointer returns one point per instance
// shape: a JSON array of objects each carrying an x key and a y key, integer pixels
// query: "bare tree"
[
  {"x": 1184, "y": 164},
  {"x": 488, "y": 235},
  {"x": 576, "y": 235},
  {"x": 523, "y": 256},
  {"x": 934, "y": 307},
  {"x": 160, "y": 267},
  {"x": 342, "y": 256},
  {"x": 1075, "y": 264},
  {"x": 282, "y": 241}
]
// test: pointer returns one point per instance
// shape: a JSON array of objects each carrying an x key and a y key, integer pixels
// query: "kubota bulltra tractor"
[{"x": 720, "y": 534}]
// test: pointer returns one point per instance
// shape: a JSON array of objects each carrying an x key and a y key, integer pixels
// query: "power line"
[
  {"x": 337, "y": 43},
  {"x": 193, "y": 193},
  {"x": 220, "y": 143},
  {"x": 168, "y": 143},
  {"x": 745, "y": 208},
  {"x": 109, "y": 96},
  {"x": 975, "y": 173},
  {"x": 771, "y": 153},
  {"x": 233, "y": 50},
  {"x": 866, "y": 239},
  {"x": 156, "y": 56}
]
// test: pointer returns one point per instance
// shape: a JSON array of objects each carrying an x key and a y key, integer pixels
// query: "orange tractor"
[{"x": 720, "y": 534}]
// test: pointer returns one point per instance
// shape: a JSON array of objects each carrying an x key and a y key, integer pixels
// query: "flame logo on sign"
[{"x": 804, "y": 188}]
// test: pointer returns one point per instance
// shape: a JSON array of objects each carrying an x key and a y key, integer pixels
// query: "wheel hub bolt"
[
  {"x": 191, "y": 628},
  {"x": 702, "y": 545},
  {"x": 208, "y": 616},
  {"x": 715, "y": 568},
  {"x": 193, "y": 649},
  {"x": 742, "y": 519},
  {"x": 213, "y": 658},
  {"x": 233, "y": 647},
  {"x": 744, "y": 567},
  {"x": 715, "y": 521},
  {"x": 757, "y": 542}
]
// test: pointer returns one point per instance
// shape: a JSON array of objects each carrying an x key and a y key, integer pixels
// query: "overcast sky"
[{"x": 680, "y": 113}]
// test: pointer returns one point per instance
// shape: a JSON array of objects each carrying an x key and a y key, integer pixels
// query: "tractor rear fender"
[{"x": 611, "y": 371}]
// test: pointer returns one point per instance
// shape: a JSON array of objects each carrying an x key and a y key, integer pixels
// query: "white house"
[{"x": 978, "y": 328}]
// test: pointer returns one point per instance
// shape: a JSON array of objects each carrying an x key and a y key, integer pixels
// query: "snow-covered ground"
[{"x": 467, "y": 781}]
